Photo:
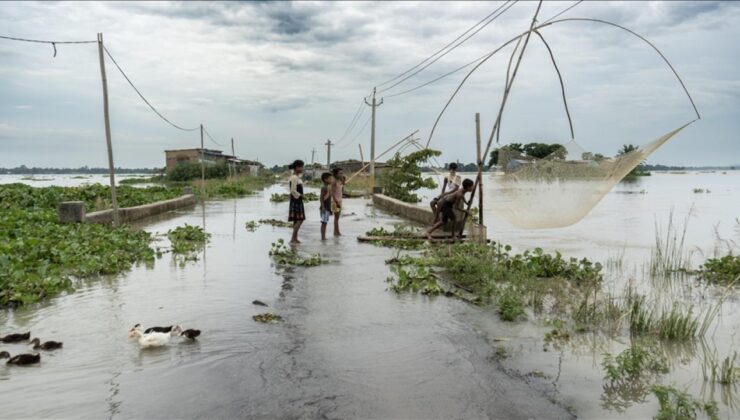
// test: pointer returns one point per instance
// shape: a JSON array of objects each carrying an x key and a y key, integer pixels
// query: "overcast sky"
[{"x": 281, "y": 78}]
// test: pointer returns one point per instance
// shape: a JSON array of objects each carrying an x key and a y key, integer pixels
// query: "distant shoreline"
[{"x": 22, "y": 170}]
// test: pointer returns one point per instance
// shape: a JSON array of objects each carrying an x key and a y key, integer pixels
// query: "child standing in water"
[
  {"x": 447, "y": 205},
  {"x": 337, "y": 190},
  {"x": 325, "y": 201},
  {"x": 296, "y": 212}
]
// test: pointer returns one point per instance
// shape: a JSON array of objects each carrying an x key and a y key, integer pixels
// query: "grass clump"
[
  {"x": 678, "y": 405},
  {"x": 725, "y": 373},
  {"x": 723, "y": 271},
  {"x": 632, "y": 364},
  {"x": 678, "y": 323},
  {"x": 401, "y": 237},
  {"x": 187, "y": 240},
  {"x": 283, "y": 255}
]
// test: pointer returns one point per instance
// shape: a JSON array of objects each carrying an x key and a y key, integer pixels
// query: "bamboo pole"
[
  {"x": 109, "y": 144},
  {"x": 477, "y": 184}
]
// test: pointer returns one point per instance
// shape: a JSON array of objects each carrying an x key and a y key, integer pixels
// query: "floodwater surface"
[{"x": 347, "y": 348}]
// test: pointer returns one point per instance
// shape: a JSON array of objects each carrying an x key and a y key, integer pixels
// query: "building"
[
  {"x": 209, "y": 156},
  {"x": 352, "y": 166}
]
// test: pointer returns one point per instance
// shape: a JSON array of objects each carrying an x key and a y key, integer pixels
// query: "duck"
[
  {"x": 24, "y": 359},
  {"x": 14, "y": 338},
  {"x": 47, "y": 345},
  {"x": 153, "y": 339},
  {"x": 190, "y": 333},
  {"x": 158, "y": 329}
]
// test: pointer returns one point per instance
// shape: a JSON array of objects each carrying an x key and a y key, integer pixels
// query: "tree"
[
  {"x": 403, "y": 175},
  {"x": 638, "y": 170},
  {"x": 533, "y": 150}
]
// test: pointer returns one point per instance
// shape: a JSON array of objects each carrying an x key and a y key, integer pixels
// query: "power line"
[
  {"x": 505, "y": 9},
  {"x": 439, "y": 51},
  {"x": 211, "y": 138},
  {"x": 143, "y": 98},
  {"x": 362, "y": 129},
  {"x": 353, "y": 123},
  {"x": 53, "y": 43},
  {"x": 472, "y": 62}
]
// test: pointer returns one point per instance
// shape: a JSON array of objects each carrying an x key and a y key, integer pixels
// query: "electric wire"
[
  {"x": 439, "y": 51},
  {"x": 472, "y": 62},
  {"x": 353, "y": 122},
  {"x": 362, "y": 129},
  {"x": 142, "y": 96},
  {"x": 39, "y": 41},
  {"x": 211, "y": 137},
  {"x": 505, "y": 9}
]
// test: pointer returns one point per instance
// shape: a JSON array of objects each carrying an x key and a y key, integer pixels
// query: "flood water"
[{"x": 349, "y": 347}]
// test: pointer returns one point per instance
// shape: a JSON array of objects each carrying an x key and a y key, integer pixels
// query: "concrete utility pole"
[
  {"x": 313, "y": 152},
  {"x": 328, "y": 153},
  {"x": 374, "y": 105},
  {"x": 111, "y": 167}
]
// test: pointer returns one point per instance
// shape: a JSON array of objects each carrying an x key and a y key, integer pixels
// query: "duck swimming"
[
  {"x": 14, "y": 338},
  {"x": 153, "y": 339},
  {"x": 24, "y": 359},
  {"x": 47, "y": 345},
  {"x": 190, "y": 333},
  {"x": 158, "y": 329}
]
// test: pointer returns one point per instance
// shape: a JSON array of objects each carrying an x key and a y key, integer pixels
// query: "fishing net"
[{"x": 562, "y": 188}]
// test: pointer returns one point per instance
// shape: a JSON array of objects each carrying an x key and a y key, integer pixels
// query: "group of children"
[{"x": 330, "y": 199}]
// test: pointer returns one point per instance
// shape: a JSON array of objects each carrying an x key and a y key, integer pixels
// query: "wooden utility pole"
[
  {"x": 374, "y": 105},
  {"x": 202, "y": 160},
  {"x": 480, "y": 168},
  {"x": 313, "y": 153},
  {"x": 362, "y": 158},
  {"x": 111, "y": 167},
  {"x": 328, "y": 153},
  {"x": 234, "y": 156}
]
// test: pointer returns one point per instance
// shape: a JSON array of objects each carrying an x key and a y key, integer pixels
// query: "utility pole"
[
  {"x": 111, "y": 167},
  {"x": 202, "y": 160},
  {"x": 234, "y": 155},
  {"x": 313, "y": 152},
  {"x": 372, "y": 137},
  {"x": 328, "y": 153}
]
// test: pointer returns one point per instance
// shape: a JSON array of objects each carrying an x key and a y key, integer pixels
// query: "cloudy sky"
[{"x": 281, "y": 78}]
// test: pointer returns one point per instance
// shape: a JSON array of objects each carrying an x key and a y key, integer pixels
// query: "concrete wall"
[
  {"x": 129, "y": 214},
  {"x": 418, "y": 213}
]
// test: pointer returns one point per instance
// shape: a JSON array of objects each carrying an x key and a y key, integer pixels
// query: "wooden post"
[
  {"x": 234, "y": 155},
  {"x": 478, "y": 178},
  {"x": 202, "y": 161},
  {"x": 111, "y": 167},
  {"x": 362, "y": 158},
  {"x": 480, "y": 168}
]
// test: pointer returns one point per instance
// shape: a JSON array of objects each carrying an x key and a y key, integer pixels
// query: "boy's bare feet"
[
  {"x": 295, "y": 241},
  {"x": 429, "y": 236}
]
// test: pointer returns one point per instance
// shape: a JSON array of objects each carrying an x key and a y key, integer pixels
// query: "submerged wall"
[
  {"x": 129, "y": 214},
  {"x": 413, "y": 212}
]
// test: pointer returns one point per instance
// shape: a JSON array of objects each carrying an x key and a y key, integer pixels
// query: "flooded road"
[{"x": 347, "y": 348}]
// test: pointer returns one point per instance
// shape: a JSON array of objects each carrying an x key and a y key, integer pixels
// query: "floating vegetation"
[
  {"x": 414, "y": 279},
  {"x": 724, "y": 270},
  {"x": 187, "y": 240},
  {"x": 277, "y": 223},
  {"x": 251, "y": 225},
  {"x": 283, "y": 255},
  {"x": 267, "y": 318},
  {"x": 675, "y": 404},
  {"x": 632, "y": 364},
  {"x": 701, "y": 191},
  {"x": 40, "y": 257},
  {"x": 401, "y": 237},
  {"x": 281, "y": 198}
]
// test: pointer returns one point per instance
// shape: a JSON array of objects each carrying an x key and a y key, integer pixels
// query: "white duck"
[{"x": 153, "y": 339}]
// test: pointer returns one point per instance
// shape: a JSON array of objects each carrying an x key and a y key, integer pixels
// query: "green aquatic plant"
[
  {"x": 510, "y": 304},
  {"x": 632, "y": 364},
  {"x": 276, "y": 223},
  {"x": 187, "y": 240},
  {"x": 267, "y": 318},
  {"x": 251, "y": 225},
  {"x": 414, "y": 279},
  {"x": 402, "y": 176},
  {"x": 725, "y": 372},
  {"x": 283, "y": 255},
  {"x": 281, "y": 198},
  {"x": 678, "y": 405},
  {"x": 40, "y": 257},
  {"x": 724, "y": 270}
]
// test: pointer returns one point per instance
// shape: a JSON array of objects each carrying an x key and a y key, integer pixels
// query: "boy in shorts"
[
  {"x": 447, "y": 205},
  {"x": 337, "y": 192},
  {"x": 325, "y": 202}
]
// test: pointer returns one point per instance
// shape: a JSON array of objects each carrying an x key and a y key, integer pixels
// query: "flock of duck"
[
  {"x": 151, "y": 337},
  {"x": 27, "y": 358}
]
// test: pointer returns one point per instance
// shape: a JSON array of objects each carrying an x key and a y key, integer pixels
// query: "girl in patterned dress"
[{"x": 296, "y": 212}]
